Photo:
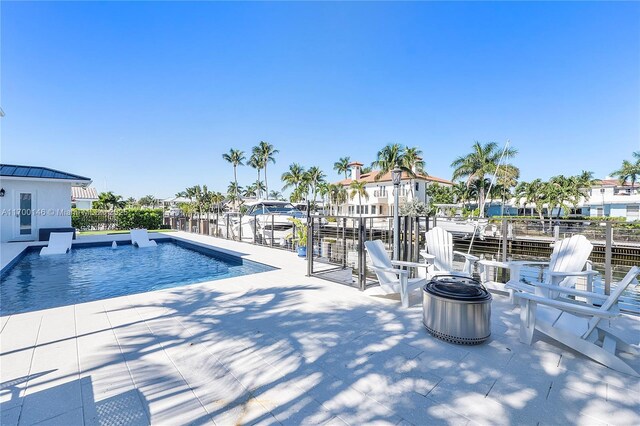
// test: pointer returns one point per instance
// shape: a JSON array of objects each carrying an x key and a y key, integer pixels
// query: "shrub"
[{"x": 138, "y": 218}]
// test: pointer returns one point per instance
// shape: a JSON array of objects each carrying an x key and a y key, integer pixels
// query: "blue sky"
[{"x": 145, "y": 97}]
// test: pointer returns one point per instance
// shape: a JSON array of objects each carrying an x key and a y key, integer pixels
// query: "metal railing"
[
  {"x": 265, "y": 230},
  {"x": 335, "y": 245}
]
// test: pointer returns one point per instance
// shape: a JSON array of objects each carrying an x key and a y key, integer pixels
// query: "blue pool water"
[{"x": 95, "y": 273}]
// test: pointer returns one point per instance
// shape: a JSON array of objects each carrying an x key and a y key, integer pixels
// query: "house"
[
  {"x": 380, "y": 192},
  {"x": 82, "y": 198},
  {"x": 34, "y": 198},
  {"x": 611, "y": 198}
]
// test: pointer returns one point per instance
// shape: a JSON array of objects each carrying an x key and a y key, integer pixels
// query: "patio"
[{"x": 279, "y": 347}]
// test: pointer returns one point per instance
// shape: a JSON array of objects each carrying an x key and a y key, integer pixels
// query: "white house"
[
  {"x": 34, "y": 198},
  {"x": 82, "y": 198},
  {"x": 611, "y": 198},
  {"x": 381, "y": 196}
]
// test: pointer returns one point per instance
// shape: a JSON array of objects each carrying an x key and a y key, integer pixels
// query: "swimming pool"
[{"x": 95, "y": 273}]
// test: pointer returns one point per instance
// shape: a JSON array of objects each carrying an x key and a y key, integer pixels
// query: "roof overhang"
[{"x": 72, "y": 182}]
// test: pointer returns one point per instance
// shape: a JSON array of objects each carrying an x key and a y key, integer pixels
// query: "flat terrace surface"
[{"x": 279, "y": 347}]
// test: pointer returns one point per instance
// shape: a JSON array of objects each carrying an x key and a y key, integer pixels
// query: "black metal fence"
[{"x": 336, "y": 245}]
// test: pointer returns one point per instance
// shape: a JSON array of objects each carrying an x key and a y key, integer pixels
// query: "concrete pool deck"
[{"x": 280, "y": 347}]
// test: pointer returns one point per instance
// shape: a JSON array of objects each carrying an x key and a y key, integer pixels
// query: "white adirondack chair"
[
  {"x": 393, "y": 280},
  {"x": 59, "y": 243},
  {"x": 578, "y": 325},
  {"x": 439, "y": 254},
  {"x": 140, "y": 238},
  {"x": 566, "y": 264}
]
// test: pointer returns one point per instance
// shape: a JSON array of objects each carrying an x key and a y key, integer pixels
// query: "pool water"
[{"x": 95, "y": 273}]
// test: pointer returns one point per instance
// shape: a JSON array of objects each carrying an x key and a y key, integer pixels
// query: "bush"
[
  {"x": 109, "y": 220},
  {"x": 138, "y": 218}
]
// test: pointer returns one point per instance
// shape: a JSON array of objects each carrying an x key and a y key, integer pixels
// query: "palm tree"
[
  {"x": 358, "y": 187},
  {"x": 481, "y": 162},
  {"x": 275, "y": 195},
  {"x": 387, "y": 159},
  {"x": 148, "y": 201},
  {"x": 412, "y": 159},
  {"x": 342, "y": 166},
  {"x": 256, "y": 162},
  {"x": 233, "y": 191},
  {"x": 267, "y": 154},
  {"x": 365, "y": 170},
  {"x": 235, "y": 157},
  {"x": 629, "y": 171},
  {"x": 314, "y": 177},
  {"x": 293, "y": 177},
  {"x": 110, "y": 201},
  {"x": 535, "y": 192}
]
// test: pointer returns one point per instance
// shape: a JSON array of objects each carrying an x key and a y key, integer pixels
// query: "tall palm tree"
[
  {"x": 535, "y": 192},
  {"x": 293, "y": 177},
  {"x": 480, "y": 163},
  {"x": 267, "y": 154},
  {"x": 387, "y": 159},
  {"x": 236, "y": 158},
  {"x": 255, "y": 161},
  {"x": 358, "y": 187},
  {"x": 342, "y": 166},
  {"x": 314, "y": 177}
]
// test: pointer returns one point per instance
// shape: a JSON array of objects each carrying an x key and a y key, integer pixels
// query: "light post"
[{"x": 396, "y": 176}]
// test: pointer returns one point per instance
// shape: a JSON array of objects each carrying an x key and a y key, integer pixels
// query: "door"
[{"x": 25, "y": 226}]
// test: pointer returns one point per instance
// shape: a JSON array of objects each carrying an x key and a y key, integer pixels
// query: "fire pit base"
[{"x": 457, "y": 310}]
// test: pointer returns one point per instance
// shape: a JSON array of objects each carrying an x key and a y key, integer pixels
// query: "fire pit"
[{"x": 457, "y": 309}]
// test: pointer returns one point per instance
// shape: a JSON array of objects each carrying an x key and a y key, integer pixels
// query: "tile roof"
[
  {"x": 371, "y": 178},
  {"x": 11, "y": 170},
  {"x": 84, "y": 193}
]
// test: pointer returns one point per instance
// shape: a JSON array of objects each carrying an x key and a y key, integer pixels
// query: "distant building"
[
  {"x": 381, "y": 196},
  {"x": 82, "y": 198},
  {"x": 609, "y": 198},
  {"x": 33, "y": 198}
]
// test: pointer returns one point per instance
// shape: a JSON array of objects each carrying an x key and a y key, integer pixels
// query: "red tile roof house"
[{"x": 380, "y": 202}]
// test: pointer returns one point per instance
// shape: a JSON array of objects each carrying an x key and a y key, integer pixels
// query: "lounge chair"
[
  {"x": 566, "y": 264},
  {"x": 578, "y": 325},
  {"x": 393, "y": 280},
  {"x": 140, "y": 238},
  {"x": 439, "y": 254},
  {"x": 59, "y": 243}
]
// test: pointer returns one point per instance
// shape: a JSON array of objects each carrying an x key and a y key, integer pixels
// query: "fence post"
[
  {"x": 344, "y": 242},
  {"x": 309, "y": 245},
  {"x": 608, "y": 272},
  {"x": 272, "y": 230},
  {"x": 505, "y": 227},
  {"x": 362, "y": 261}
]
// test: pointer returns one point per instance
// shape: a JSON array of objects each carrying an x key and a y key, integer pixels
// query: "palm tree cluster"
[
  {"x": 629, "y": 170},
  {"x": 261, "y": 155},
  {"x": 307, "y": 184},
  {"x": 201, "y": 200},
  {"x": 558, "y": 193}
]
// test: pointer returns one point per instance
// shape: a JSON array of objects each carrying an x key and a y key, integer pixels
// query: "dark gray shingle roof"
[{"x": 37, "y": 172}]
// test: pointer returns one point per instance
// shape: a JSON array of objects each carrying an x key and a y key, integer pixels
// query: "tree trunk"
[{"x": 266, "y": 184}]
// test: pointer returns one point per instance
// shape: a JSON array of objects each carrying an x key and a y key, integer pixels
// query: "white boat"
[
  {"x": 266, "y": 221},
  {"x": 458, "y": 225}
]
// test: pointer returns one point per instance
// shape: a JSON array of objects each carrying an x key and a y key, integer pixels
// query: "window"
[
  {"x": 373, "y": 209},
  {"x": 417, "y": 186},
  {"x": 366, "y": 209},
  {"x": 633, "y": 212},
  {"x": 599, "y": 211}
]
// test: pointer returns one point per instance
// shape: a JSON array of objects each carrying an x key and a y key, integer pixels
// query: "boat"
[
  {"x": 265, "y": 221},
  {"x": 459, "y": 225}
]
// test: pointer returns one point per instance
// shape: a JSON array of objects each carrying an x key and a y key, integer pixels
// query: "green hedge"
[{"x": 98, "y": 220}]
